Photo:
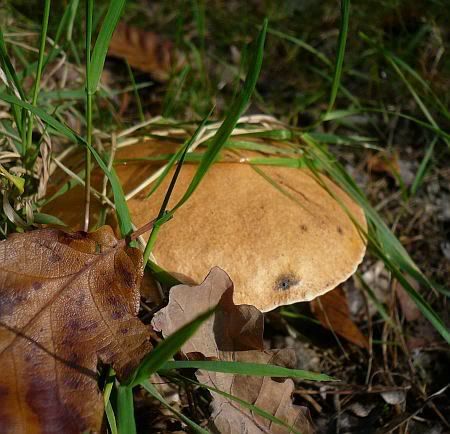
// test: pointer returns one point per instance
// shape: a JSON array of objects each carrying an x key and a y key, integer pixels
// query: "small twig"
[
  {"x": 356, "y": 391},
  {"x": 142, "y": 230},
  {"x": 370, "y": 330}
]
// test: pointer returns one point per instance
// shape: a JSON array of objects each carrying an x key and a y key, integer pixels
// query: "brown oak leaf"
[
  {"x": 143, "y": 50},
  {"x": 229, "y": 416},
  {"x": 67, "y": 301},
  {"x": 233, "y": 333},
  {"x": 230, "y": 328},
  {"x": 333, "y": 313}
]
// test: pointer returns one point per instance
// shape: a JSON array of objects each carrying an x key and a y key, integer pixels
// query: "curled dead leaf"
[
  {"x": 234, "y": 333},
  {"x": 275, "y": 398},
  {"x": 230, "y": 328},
  {"x": 68, "y": 302},
  {"x": 333, "y": 313}
]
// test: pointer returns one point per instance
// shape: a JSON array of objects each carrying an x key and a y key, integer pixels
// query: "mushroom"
[
  {"x": 279, "y": 234},
  {"x": 281, "y": 242}
]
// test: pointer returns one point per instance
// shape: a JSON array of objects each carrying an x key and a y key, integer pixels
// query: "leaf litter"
[{"x": 234, "y": 333}]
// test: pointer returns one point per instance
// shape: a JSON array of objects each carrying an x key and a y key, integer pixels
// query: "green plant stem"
[
  {"x": 87, "y": 198},
  {"x": 151, "y": 242},
  {"x": 87, "y": 193},
  {"x": 38, "y": 71},
  {"x": 136, "y": 93}
]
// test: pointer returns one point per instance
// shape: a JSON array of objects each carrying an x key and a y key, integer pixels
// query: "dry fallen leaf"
[
  {"x": 384, "y": 163},
  {"x": 230, "y": 328},
  {"x": 274, "y": 397},
  {"x": 407, "y": 305},
  {"x": 233, "y": 333},
  {"x": 68, "y": 301},
  {"x": 146, "y": 51},
  {"x": 332, "y": 311}
]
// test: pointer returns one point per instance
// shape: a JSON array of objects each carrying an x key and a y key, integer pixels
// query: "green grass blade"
[
  {"x": 300, "y": 43},
  {"x": 101, "y": 45},
  {"x": 253, "y": 408},
  {"x": 122, "y": 211},
  {"x": 161, "y": 275},
  {"x": 48, "y": 119},
  {"x": 89, "y": 95},
  {"x": 15, "y": 180},
  {"x": 179, "y": 156},
  {"x": 393, "y": 59},
  {"x": 13, "y": 85},
  {"x": 382, "y": 242},
  {"x": 343, "y": 31},
  {"x": 47, "y": 219},
  {"x": 8, "y": 68},
  {"x": 67, "y": 21},
  {"x": 166, "y": 349},
  {"x": 108, "y": 388},
  {"x": 173, "y": 92},
  {"x": 231, "y": 119},
  {"x": 111, "y": 418},
  {"x": 243, "y": 368},
  {"x": 126, "y": 423},
  {"x": 65, "y": 25},
  {"x": 181, "y": 153},
  {"x": 39, "y": 69},
  {"x": 414, "y": 94},
  {"x": 381, "y": 310},
  {"x": 136, "y": 92},
  {"x": 423, "y": 167},
  {"x": 339, "y": 114},
  {"x": 150, "y": 388}
]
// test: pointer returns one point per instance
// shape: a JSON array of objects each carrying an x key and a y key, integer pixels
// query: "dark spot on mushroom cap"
[
  {"x": 340, "y": 231},
  {"x": 286, "y": 281},
  {"x": 304, "y": 228}
]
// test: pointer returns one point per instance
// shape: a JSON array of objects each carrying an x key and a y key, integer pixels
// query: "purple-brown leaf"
[{"x": 67, "y": 302}]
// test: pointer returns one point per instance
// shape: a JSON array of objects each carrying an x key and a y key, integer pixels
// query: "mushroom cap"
[{"x": 281, "y": 242}]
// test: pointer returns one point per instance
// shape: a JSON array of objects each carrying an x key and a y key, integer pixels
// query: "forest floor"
[{"x": 389, "y": 128}]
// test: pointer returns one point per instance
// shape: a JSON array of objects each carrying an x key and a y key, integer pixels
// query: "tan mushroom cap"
[{"x": 280, "y": 245}]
